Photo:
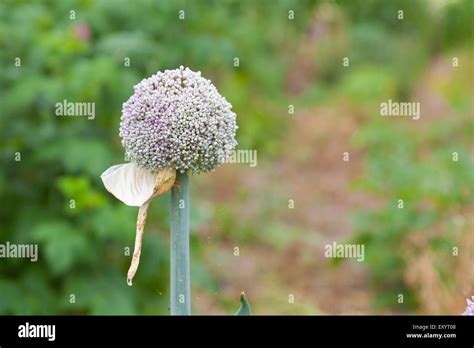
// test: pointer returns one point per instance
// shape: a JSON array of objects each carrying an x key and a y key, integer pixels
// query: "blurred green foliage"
[
  {"x": 402, "y": 165},
  {"x": 409, "y": 164}
]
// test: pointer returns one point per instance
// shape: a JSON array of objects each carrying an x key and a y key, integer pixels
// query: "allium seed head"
[
  {"x": 177, "y": 118},
  {"x": 470, "y": 307}
]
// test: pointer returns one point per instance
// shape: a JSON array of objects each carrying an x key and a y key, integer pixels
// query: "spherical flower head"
[
  {"x": 177, "y": 118},
  {"x": 470, "y": 307}
]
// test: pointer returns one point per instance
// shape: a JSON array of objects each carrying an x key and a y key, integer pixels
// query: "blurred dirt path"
[{"x": 311, "y": 171}]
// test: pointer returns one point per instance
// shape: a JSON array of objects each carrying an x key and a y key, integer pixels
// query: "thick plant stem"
[{"x": 180, "y": 275}]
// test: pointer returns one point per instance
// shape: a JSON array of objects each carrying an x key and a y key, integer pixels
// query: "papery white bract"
[
  {"x": 129, "y": 183},
  {"x": 137, "y": 187}
]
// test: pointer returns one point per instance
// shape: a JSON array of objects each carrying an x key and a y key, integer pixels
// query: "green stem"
[{"x": 180, "y": 275}]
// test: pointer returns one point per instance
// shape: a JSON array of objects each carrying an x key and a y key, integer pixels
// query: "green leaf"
[
  {"x": 11, "y": 299},
  {"x": 75, "y": 155},
  {"x": 115, "y": 221},
  {"x": 244, "y": 306},
  {"x": 79, "y": 189},
  {"x": 62, "y": 243}
]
